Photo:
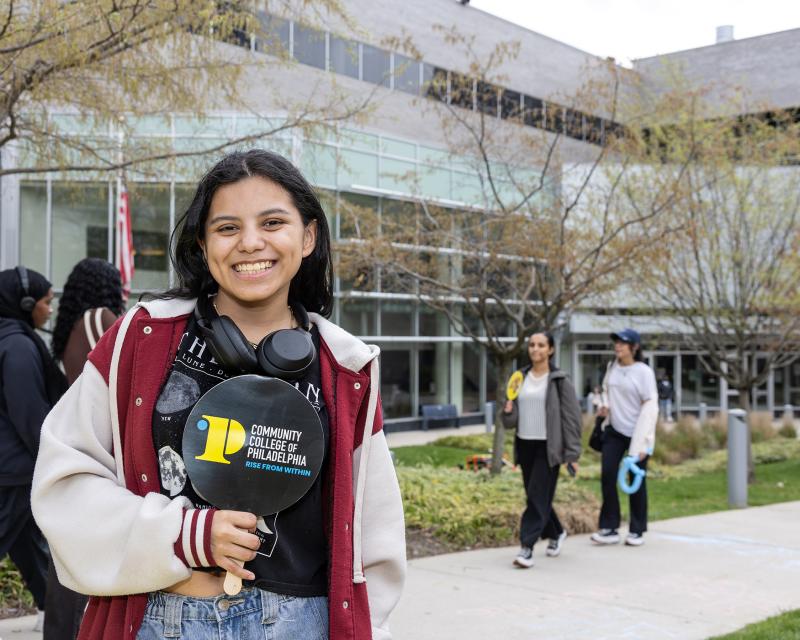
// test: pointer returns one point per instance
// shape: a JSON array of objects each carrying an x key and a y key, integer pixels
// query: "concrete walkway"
[{"x": 695, "y": 577}]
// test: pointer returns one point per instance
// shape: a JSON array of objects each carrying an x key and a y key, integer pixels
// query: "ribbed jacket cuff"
[{"x": 193, "y": 545}]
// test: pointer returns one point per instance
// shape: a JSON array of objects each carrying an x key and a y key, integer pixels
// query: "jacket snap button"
[
  {"x": 357, "y": 386},
  {"x": 139, "y": 401},
  {"x": 144, "y": 477},
  {"x": 347, "y": 526},
  {"x": 345, "y": 604},
  {"x": 148, "y": 330}
]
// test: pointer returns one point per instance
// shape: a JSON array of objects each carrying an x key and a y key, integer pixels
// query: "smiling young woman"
[{"x": 252, "y": 255}]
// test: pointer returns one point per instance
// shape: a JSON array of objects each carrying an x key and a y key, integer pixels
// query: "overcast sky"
[{"x": 628, "y": 29}]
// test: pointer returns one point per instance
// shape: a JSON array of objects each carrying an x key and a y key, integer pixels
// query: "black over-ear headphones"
[
  {"x": 27, "y": 302},
  {"x": 286, "y": 353}
]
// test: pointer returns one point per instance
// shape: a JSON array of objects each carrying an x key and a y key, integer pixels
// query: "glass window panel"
[
  {"x": 434, "y": 182},
  {"x": 344, "y": 57},
  {"x": 554, "y": 117},
  {"x": 150, "y": 224},
  {"x": 399, "y": 222},
  {"x": 398, "y": 175},
  {"x": 533, "y": 111},
  {"x": 461, "y": 90},
  {"x": 357, "y": 168},
  {"x": 274, "y": 35},
  {"x": 319, "y": 164},
  {"x": 358, "y": 140},
  {"x": 148, "y": 125},
  {"x": 594, "y": 129},
  {"x": 252, "y": 125},
  {"x": 433, "y": 323},
  {"x": 309, "y": 46},
  {"x": 510, "y": 104},
  {"x": 399, "y": 148},
  {"x": 358, "y": 317},
  {"x": 33, "y": 225},
  {"x": 794, "y": 383},
  {"x": 78, "y": 124},
  {"x": 406, "y": 74},
  {"x": 434, "y": 373},
  {"x": 434, "y": 82},
  {"x": 395, "y": 381},
  {"x": 357, "y": 215},
  {"x": 80, "y": 225},
  {"x": 573, "y": 124},
  {"x": 486, "y": 98},
  {"x": 375, "y": 65},
  {"x": 433, "y": 156},
  {"x": 696, "y": 385},
  {"x": 467, "y": 188},
  {"x": 209, "y": 126},
  {"x": 397, "y": 318}
]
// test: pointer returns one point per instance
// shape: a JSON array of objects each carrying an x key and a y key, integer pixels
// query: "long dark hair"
[
  {"x": 312, "y": 285},
  {"x": 93, "y": 283}
]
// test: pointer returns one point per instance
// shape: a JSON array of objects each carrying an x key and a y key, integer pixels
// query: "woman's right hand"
[
  {"x": 602, "y": 412},
  {"x": 232, "y": 538},
  {"x": 509, "y": 406}
]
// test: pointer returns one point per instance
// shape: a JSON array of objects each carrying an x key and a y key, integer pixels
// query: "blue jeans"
[{"x": 252, "y": 614}]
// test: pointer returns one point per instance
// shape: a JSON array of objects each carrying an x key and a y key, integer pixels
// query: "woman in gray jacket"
[{"x": 547, "y": 418}]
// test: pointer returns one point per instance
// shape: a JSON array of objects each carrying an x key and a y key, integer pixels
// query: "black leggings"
[
  {"x": 539, "y": 520},
  {"x": 615, "y": 447}
]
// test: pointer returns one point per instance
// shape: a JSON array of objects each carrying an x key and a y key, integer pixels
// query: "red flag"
[{"x": 124, "y": 239}]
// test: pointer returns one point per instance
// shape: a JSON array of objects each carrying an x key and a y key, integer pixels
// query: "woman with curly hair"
[
  {"x": 93, "y": 296},
  {"x": 91, "y": 303}
]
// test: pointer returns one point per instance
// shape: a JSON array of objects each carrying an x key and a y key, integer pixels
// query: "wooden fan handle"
[{"x": 233, "y": 583}]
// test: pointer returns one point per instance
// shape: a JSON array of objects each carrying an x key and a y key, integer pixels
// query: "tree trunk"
[
  {"x": 503, "y": 368},
  {"x": 744, "y": 399}
]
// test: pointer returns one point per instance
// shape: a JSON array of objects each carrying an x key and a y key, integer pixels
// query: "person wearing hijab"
[{"x": 30, "y": 384}]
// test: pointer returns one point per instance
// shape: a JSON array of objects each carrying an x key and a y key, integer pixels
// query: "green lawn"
[
  {"x": 435, "y": 456},
  {"x": 783, "y": 627},
  {"x": 706, "y": 492}
]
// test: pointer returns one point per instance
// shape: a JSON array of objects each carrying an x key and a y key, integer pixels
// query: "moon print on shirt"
[
  {"x": 267, "y": 532},
  {"x": 180, "y": 392},
  {"x": 173, "y": 471}
]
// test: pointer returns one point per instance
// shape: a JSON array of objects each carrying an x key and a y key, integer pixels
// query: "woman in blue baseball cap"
[{"x": 630, "y": 408}]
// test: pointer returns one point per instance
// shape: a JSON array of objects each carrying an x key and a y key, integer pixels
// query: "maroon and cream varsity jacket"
[{"x": 114, "y": 536}]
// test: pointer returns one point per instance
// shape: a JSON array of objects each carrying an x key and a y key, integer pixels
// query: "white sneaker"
[
  {"x": 554, "y": 545},
  {"x": 605, "y": 536},
  {"x": 524, "y": 558},
  {"x": 39, "y": 625},
  {"x": 634, "y": 540}
]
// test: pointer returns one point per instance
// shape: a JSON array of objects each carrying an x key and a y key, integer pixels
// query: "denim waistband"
[{"x": 173, "y": 608}]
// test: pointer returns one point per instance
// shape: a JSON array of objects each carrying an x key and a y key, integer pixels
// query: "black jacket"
[{"x": 23, "y": 403}]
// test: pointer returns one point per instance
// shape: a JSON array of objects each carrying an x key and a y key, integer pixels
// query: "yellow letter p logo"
[{"x": 225, "y": 436}]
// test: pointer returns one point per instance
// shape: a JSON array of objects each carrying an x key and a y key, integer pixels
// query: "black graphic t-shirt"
[{"x": 293, "y": 558}]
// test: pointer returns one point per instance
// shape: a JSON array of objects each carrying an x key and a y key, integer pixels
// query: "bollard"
[
  {"x": 788, "y": 413},
  {"x": 489, "y": 416},
  {"x": 703, "y": 414},
  {"x": 738, "y": 436}
]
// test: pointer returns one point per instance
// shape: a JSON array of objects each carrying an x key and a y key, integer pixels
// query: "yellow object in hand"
[{"x": 514, "y": 385}]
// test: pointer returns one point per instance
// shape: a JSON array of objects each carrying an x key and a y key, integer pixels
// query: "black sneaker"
[
  {"x": 524, "y": 558},
  {"x": 554, "y": 546}
]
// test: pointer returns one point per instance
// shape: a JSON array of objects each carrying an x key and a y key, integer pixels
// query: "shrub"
[
  {"x": 465, "y": 509},
  {"x": 15, "y": 599},
  {"x": 685, "y": 441},
  {"x": 761, "y": 428},
  {"x": 788, "y": 430}
]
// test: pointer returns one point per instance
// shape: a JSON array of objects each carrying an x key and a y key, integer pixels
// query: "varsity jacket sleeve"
[{"x": 105, "y": 540}]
